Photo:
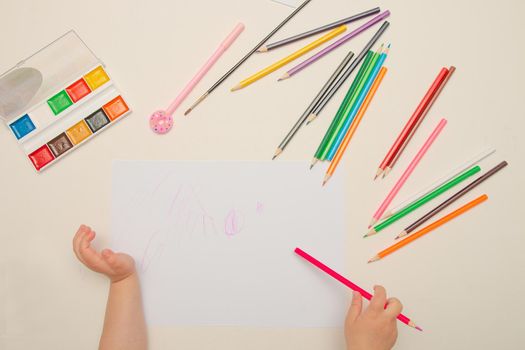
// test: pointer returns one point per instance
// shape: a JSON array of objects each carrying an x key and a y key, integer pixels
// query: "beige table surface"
[{"x": 464, "y": 284}]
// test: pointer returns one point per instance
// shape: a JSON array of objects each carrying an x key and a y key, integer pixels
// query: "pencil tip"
[
  {"x": 375, "y": 258},
  {"x": 277, "y": 152},
  {"x": 236, "y": 87},
  {"x": 387, "y": 171},
  {"x": 419, "y": 328},
  {"x": 314, "y": 161},
  {"x": 284, "y": 77},
  {"x": 262, "y": 49},
  {"x": 324, "y": 183},
  {"x": 188, "y": 111},
  {"x": 311, "y": 118},
  {"x": 378, "y": 173}
]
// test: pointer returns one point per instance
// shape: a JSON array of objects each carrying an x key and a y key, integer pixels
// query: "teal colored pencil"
[
  {"x": 347, "y": 98},
  {"x": 329, "y": 142},
  {"x": 410, "y": 208}
]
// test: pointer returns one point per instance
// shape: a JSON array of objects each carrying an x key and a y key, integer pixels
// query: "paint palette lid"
[{"x": 39, "y": 76}]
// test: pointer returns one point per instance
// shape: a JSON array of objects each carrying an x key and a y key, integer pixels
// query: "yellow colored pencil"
[{"x": 290, "y": 58}]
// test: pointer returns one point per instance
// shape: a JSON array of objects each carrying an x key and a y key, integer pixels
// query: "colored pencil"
[
  {"x": 348, "y": 283},
  {"x": 245, "y": 58},
  {"x": 324, "y": 101},
  {"x": 337, "y": 158},
  {"x": 476, "y": 159},
  {"x": 335, "y": 45},
  {"x": 351, "y": 110},
  {"x": 414, "y": 206},
  {"x": 429, "y": 228},
  {"x": 205, "y": 68},
  {"x": 411, "y": 122},
  {"x": 337, "y": 118},
  {"x": 292, "y": 39},
  {"x": 309, "y": 109},
  {"x": 452, "y": 199},
  {"x": 352, "y": 87},
  {"x": 272, "y": 68},
  {"x": 389, "y": 167},
  {"x": 413, "y": 164}
]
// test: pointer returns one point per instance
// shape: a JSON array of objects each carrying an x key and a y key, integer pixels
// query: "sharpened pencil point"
[
  {"x": 277, "y": 152},
  {"x": 402, "y": 234},
  {"x": 284, "y": 77},
  {"x": 311, "y": 118},
  {"x": 263, "y": 49},
  {"x": 375, "y": 258},
  {"x": 387, "y": 171},
  {"x": 419, "y": 328},
  {"x": 326, "y": 178},
  {"x": 371, "y": 232},
  {"x": 236, "y": 87},
  {"x": 314, "y": 161},
  {"x": 372, "y": 222},
  {"x": 378, "y": 173}
]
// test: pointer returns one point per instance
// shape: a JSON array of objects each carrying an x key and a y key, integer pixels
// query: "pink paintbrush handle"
[
  {"x": 207, "y": 66},
  {"x": 388, "y": 200}
]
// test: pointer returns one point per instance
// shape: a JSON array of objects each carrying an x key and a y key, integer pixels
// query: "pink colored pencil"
[
  {"x": 348, "y": 283},
  {"x": 395, "y": 190}
]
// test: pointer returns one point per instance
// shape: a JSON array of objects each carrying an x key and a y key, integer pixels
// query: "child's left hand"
[{"x": 117, "y": 266}]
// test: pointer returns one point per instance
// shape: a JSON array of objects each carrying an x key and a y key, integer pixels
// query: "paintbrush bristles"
[{"x": 196, "y": 103}]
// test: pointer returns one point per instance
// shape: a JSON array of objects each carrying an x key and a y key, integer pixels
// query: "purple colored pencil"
[{"x": 335, "y": 45}]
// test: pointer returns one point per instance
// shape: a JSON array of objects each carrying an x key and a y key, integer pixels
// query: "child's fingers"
[
  {"x": 86, "y": 240},
  {"x": 82, "y": 230},
  {"x": 379, "y": 299},
  {"x": 355, "y": 308},
  {"x": 393, "y": 307}
]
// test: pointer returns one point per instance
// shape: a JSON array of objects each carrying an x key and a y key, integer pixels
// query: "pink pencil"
[
  {"x": 161, "y": 121},
  {"x": 348, "y": 283},
  {"x": 388, "y": 200}
]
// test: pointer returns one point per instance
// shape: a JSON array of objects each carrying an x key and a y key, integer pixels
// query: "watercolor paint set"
[{"x": 58, "y": 99}]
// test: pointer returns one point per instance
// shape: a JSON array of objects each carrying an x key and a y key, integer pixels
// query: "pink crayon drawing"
[
  {"x": 259, "y": 208},
  {"x": 233, "y": 223}
]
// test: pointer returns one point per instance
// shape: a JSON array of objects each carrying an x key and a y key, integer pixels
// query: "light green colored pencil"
[{"x": 407, "y": 210}]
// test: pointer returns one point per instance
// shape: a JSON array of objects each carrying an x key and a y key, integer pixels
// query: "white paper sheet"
[{"x": 214, "y": 241}]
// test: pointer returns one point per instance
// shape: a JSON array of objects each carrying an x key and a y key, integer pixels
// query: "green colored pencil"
[
  {"x": 411, "y": 207},
  {"x": 333, "y": 135},
  {"x": 347, "y": 98}
]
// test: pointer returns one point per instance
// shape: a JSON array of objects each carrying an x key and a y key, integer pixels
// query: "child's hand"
[
  {"x": 376, "y": 327},
  {"x": 117, "y": 266}
]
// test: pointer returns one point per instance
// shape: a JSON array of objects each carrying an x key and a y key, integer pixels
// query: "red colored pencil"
[
  {"x": 412, "y": 122},
  {"x": 348, "y": 283}
]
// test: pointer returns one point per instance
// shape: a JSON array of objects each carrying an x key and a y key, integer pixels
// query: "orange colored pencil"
[
  {"x": 429, "y": 228},
  {"x": 362, "y": 110}
]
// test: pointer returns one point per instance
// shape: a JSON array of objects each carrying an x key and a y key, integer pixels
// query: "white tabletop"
[{"x": 463, "y": 283}]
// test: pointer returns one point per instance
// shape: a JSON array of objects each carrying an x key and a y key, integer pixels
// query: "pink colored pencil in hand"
[
  {"x": 399, "y": 184},
  {"x": 162, "y": 121},
  {"x": 348, "y": 283}
]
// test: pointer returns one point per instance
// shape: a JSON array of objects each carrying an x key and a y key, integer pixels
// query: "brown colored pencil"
[{"x": 452, "y": 199}]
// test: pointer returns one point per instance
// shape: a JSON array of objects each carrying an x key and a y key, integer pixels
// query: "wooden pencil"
[
  {"x": 282, "y": 62},
  {"x": 428, "y": 228},
  {"x": 346, "y": 74},
  {"x": 389, "y": 167},
  {"x": 245, "y": 58},
  {"x": 412, "y": 121},
  {"x": 314, "y": 102},
  {"x": 452, "y": 199},
  {"x": 348, "y": 283},
  {"x": 339, "y": 154},
  {"x": 408, "y": 171},
  {"x": 417, "y": 204},
  {"x": 297, "y": 37}
]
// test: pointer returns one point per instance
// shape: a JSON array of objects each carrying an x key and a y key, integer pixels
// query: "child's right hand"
[
  {"x": 376, "y": 327},
  {"x": 117, "y": 266}
]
